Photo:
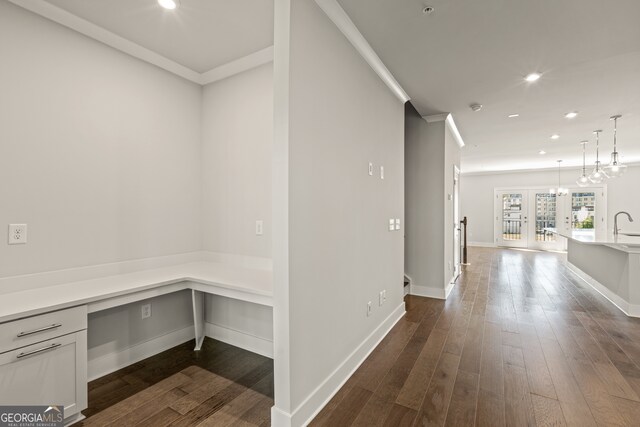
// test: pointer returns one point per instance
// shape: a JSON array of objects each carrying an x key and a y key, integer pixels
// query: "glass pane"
[
  {"x": 545, "y": 217},
  {"x": 512, "y": 216},
  {"x": 583, "y": 207}
]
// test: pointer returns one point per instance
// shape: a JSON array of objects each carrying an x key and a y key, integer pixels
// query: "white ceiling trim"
[
  {"x": 553, "y": 169},
  {"x": 69, "y": 20},
  {"x": 451, "y": 124},
  {"x": 89, "y": 29},
  {"x": 245, "y": 63},
  {"x": 339, "y": 17},
  {"x": 436, "y": 118}
]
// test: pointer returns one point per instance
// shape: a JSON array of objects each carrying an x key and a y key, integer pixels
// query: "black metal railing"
[{"x": 511, "y": 229}]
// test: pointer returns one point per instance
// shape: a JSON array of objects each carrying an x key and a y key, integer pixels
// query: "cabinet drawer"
[
  {"x": 52, "y": 372},
  {"x": 30, "y": 330}
]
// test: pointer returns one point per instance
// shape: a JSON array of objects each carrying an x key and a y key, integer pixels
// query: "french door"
[
  {"x": 527, "y": 218},
  {"x": 583, "y": 212},
  {"x": 512, "y": 218}
]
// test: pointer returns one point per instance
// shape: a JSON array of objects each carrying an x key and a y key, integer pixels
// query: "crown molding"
[
  {"x": 339, "y": 17},
  {"x": 530, "y": 170},
  {"x": 91, "y": 30},
  {"x": 245, "y": 63},
  {"x": 436, "y": 118},
  {"x": 69, "y": 20},
  {"x": 451, "y": 124}
]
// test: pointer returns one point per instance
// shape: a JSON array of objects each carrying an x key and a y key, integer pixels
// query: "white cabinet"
[{"x": 49, "y": 372}]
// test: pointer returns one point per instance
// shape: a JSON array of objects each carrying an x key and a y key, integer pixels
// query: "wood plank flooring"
[
  {"x": 220, "y": 385},
  {"x": 521, "y": 341}
]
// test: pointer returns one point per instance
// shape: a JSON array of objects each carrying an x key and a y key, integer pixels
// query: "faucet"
[{"x": 615, "y": 221}]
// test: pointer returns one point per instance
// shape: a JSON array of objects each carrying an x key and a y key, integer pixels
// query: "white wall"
[
  {"x": 99, "y": 152},
  {"x": 99, "y": 155},
  {"x": 451, "y": 160},
  {"x": 476, "y": 196},
  {"x": 340, "y": 254},
  {"x": 114, "y": 334},
  {"x": 430, "y": 156},
  {"x": 424, "y": 200},
  {"x": 237, "y": 139}
]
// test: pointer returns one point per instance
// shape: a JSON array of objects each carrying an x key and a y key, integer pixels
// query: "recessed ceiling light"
[
  {"x": 542, "y": 152},
  {"x": 168, "y": 4},
  {"x": 555, "y": 136},
  {"x": 511, "y": 116},
  {"x": 532, "y": 77},
  {"x": 475, "y": 107},
  {"x": 571, "y": 115}
]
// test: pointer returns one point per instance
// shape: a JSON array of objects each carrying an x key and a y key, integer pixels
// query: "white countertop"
[
  {"x": 621, "y": 242},
  {"x": 14, "y": 305}
]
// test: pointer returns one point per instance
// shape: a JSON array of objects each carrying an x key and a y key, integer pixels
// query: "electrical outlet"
[
  {"x": 384, "y": 296},
  {"x": 370, "y": 169},
  {"x": 17, "y": 234},
  {"x": 259, "y": 225},
  {"x": 369, "y": 309},
  {"x": 146, "y": 311}
]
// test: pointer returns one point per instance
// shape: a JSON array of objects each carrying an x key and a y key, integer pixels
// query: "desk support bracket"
[{"x": 198, "y": 317}]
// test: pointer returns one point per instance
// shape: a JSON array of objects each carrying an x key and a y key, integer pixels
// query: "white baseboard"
[
  {"x": 482, "y": 244},
  {"x": 449, "y": 287},
  {"x": 432, "y": 291},
  {"x": 243, "y": 340},
  {"x": 427, "y": 291},
  {"x": 314, "y": 403},
  {"x": 280, "y": 418},
  {"x": 631, "y": 310},
  {"x": 111, "y": 362}
]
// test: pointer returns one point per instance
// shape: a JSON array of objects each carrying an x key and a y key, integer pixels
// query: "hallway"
[{"x": 520, "y": 341}]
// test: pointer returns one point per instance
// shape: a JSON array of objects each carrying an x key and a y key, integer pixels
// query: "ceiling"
[
  {"x": 468, "y": 51},
  {"x": 464, "y": 52},
  {"x": 199, "y": 34}
]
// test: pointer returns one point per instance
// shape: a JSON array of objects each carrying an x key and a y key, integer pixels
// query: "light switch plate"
[
  {"x": 17, "y": 234},
  {"x": 259, "y": 228},
  {"x": 370, "y": 169},
  {"x": 397, "y": 224},
  {"x": 381, "y": 172},
  {"x": 392, "y": 224}
]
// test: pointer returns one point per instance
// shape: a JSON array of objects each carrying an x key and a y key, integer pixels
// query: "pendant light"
[
  {"x": 583, "y": 181},
  {"x": 615, "y": 168},
  {"x": 597, "y": 175},
  {"x": 559, "y": 191}
]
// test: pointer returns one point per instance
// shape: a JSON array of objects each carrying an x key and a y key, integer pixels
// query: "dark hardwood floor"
[
  {"x": 243, "y": 378},
  {"x": 521, "y": 341}
]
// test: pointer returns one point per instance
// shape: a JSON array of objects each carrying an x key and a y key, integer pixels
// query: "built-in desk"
[{"x": 52, "y": 320}]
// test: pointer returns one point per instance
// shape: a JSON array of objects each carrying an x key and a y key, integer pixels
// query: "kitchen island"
[{"x": 610, "y": 264}]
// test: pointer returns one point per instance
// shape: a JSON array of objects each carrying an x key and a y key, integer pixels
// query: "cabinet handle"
[
  {"x": 40, "y": 350},
  {"x": 35, "y": 331}
]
